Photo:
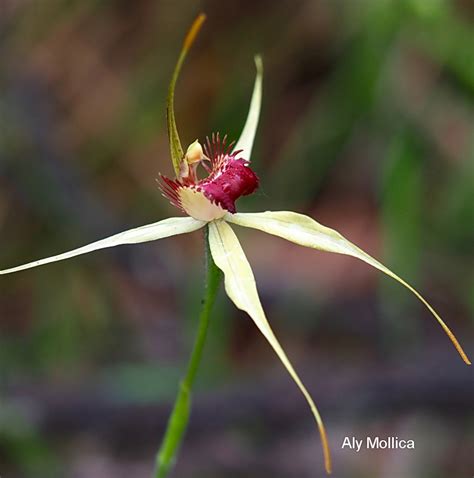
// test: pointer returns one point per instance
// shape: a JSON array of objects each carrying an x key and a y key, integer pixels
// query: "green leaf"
[
  {"x": 151, "y": 232},
  {"x": 247, "y": 136},
  {"x": 241, "y": 288},
  {"x": 307, "y": 232},
  {"x": 176, "y": 149}
]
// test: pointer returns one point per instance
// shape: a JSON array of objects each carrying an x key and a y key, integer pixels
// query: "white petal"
[
  {"x": 307, "y": 232},
  {"x": 247, "y": 136},
  {"x": 241, "y": 288},
  {"x": 150, "y": 232},
  {"x": 197, "y": 205}
]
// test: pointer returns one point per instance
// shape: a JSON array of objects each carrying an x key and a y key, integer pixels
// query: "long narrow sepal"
[
  {"x": 150, "y": 232},
  {"x": 305, "y": 231},
  {"x": 177, "y": 153},
  {"x": 245, "y": 142},
  {"x": 241, "y": 288}
]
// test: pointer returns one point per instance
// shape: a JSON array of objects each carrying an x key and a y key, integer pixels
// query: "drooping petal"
[
  {"x": 245, "y": 142},
  {"x": 177, "y": 153},
  {"x": 150, "y": 232},
  {"x": 241, "y": 288},
  {"x": 305, "y": 231}
]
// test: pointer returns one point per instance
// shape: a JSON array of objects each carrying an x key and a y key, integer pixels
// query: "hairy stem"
[{"x": 178, "y": 420}]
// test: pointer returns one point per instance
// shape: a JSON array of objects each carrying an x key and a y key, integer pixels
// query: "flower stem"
[{"x": 178, "y": 420}]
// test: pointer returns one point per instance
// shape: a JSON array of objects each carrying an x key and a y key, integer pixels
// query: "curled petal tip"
[
  {"x": 193, "y": 31},
  {"x": 258, "y": 62},
  {"x": 326, "y": 450}
]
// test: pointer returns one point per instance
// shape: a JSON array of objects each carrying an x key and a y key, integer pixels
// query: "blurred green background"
[{"x": 367, "y": 125}]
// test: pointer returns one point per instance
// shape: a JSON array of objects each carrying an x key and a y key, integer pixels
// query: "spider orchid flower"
[{"x": 211, "y": 202}]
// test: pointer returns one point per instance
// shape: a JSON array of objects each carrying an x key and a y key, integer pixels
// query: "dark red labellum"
[{"x": 235, "y": 179}]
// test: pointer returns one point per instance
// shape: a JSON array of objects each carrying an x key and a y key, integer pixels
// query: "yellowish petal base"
[{"x": 198, "y": 206}]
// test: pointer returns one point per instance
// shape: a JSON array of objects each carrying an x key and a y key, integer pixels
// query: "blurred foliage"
[{"x": 367, "y": 125}]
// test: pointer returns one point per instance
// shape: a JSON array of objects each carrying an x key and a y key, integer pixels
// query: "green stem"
[{"x": 179, "y": 417}]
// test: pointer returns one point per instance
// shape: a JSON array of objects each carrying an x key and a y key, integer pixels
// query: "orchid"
[{"x": 209, "y": 204}]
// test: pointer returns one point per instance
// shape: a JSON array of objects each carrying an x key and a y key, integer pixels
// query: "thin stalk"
[{"x": 178, "y": 420}]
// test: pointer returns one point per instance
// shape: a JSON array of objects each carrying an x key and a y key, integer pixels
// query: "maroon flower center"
[
  {"x": 230, "y": 177},
  {"x": 235, "y": 179}
]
